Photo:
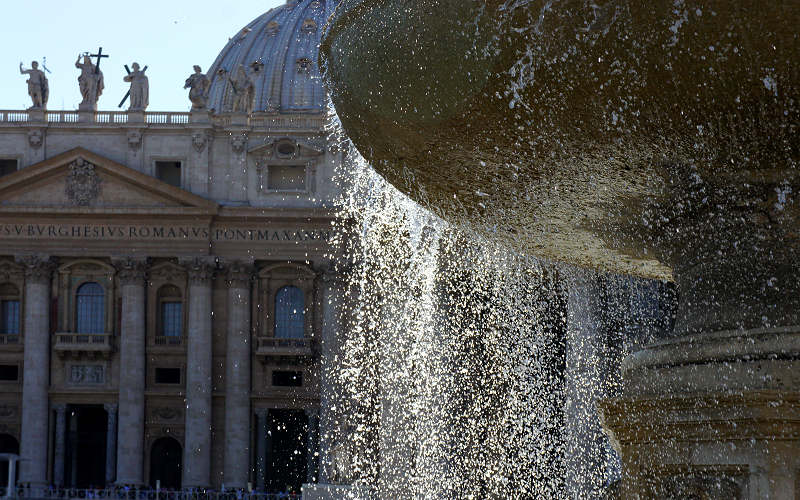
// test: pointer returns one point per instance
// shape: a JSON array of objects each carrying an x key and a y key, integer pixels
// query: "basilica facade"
[{"x": 169, "y": 289}]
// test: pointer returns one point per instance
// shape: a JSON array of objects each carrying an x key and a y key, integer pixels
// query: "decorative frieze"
[{"x": 87, "y": 374}]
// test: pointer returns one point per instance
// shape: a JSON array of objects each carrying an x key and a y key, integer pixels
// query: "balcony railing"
[
  {"x": 100, "y": 344},
  {"x": 269, "y": 346},
  {"x": 9, "y": 339},
  {"x": 49, "y": 493},
  {"x": 168, "y": 340},
  {"x": 166, "y": 118}
]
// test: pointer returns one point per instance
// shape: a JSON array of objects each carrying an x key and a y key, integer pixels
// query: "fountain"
[{"x": 657, "y": 139}]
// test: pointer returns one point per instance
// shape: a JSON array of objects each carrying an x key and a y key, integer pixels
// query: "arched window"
[
  {"x": 170, "y": 306},
  {"x": 290, "y": 313},
  {"x": 9, "y": 310},
  {"x": 90, "y": 309}
]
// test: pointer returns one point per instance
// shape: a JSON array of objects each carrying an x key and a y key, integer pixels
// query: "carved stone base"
[{"x": 711, "y": 416}]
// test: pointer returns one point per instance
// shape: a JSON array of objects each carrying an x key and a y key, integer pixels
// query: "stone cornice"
[{"x": 38, "y": 268}]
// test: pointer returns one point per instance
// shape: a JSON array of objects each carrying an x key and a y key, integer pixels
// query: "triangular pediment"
[{"x": 79, "y": 179}]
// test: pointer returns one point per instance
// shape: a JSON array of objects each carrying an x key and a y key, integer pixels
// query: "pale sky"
[{"x": 169, "y": 36}]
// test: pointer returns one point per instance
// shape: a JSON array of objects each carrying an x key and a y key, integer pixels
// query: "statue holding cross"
[{"x": 90, "y": 80}]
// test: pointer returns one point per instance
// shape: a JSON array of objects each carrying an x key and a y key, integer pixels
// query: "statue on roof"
[
  {"x": 198, "y": 83},
  {"x": 140, "y": 88},
  {"x": 243, "y": 87},
  {"x": 91, "y": 82},
  {"x": 38, "y": 87}
]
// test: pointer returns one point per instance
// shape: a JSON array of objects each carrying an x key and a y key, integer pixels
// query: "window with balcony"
[
  {"x": 170, "y": 320},
  {"x": 90, "y": 312},
  {"x": 9, "y": 313},
  {"x": 289, "y": 313}
]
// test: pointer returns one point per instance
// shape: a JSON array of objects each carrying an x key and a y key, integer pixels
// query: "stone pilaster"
[
  {"x": 312, "y": 445},
  {"x": 329, "y": 392},
  {"x": 261, "y": 447},
  {"x": 130, "y": 449},
  {"x": 60, "y": 445},
  {"x": 111, "y": 443},
  {"x": 237, "y": 376},
  {"x": 36, "y": 376},
  {"x": 197, "y": 449}
]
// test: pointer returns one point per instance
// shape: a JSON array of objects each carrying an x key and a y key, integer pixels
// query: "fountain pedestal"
[{"x": 658, "y": 139}]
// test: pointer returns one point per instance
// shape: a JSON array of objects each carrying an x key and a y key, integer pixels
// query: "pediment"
[{"x": 79, "y": 179}]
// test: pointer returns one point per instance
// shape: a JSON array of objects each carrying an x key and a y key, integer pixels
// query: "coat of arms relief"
[{"x": 83, "y": 183}]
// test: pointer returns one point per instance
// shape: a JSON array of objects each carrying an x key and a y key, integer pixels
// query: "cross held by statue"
[{"x": 99, "y": 56}]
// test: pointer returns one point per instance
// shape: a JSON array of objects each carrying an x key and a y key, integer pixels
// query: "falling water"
[{"x": 468, "y": 371}]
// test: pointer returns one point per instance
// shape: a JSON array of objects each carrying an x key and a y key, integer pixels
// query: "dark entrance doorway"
[
  {"x": 85, "y": 465},
  {"x": 8, "y": 444},
  {"x": 286, "y": 450},
  {"x": 166, "y": 457}
]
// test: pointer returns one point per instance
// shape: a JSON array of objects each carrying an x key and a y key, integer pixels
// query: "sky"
[{"x": 169, "y": 36}]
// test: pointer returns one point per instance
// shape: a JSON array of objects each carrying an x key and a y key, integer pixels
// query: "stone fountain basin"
[{"x": 635, "y": 137}]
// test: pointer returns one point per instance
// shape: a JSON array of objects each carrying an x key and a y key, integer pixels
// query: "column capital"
[
  {"x": 111, "y": 408},
  {"x": 238, "y": 273},
  {"x": 312, "y": 412},
  {"x": 261, "y": 412},
  {"x": 59, "y": 408},
  {"x": 131, "y": 271},
  {"x": 38, "y": 268},
  {"x": 201, "y": 270}
]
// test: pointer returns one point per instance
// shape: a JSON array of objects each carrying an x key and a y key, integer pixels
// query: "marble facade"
[{"x": 87, "y": 204}]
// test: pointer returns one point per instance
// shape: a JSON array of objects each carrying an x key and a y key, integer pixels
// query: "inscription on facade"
[
  {"x": 87, "y": 374},
  {"x": 158, "y": 232}
]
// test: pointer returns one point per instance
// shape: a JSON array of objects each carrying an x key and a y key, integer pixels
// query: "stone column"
[
  {"x": 237, "y": 376},
  {"x": 60, "y": 445},
  {"x": 130, "y": 452},
  {"x": 197, "y": 449},
  {"x": 111, "y": 443},
  {"x": 36, "y": 375},
  {"x": 312, "y": 445},
  {"x": 329, "y": 392},
  {"x": 261, "y": 448}
]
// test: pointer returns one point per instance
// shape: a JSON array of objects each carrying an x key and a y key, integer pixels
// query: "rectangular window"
[
  {"x": 168, "y": 375},
  {"x": 282, "y": 378},
  {"x": 169, "y": 172},
  {"x": 9, "y": 317},
  {"x": 7, "y": 167},
  {"x": 286, "y": 178},
  {"x": 171, "y": 319},
  {"x": 9, "y": 373}
]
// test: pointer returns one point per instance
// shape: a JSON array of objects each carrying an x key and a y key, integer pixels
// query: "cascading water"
[{"x": 469, "y": 371}]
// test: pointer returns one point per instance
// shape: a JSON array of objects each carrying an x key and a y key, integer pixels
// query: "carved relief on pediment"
[
  {"x": 168, "y": 272},
  {"x": 82, "y": 184}
]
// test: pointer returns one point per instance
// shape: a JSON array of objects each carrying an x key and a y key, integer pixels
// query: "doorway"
[
  {"x": 286, "y": 453},
  {"x": 8, "y": 444},
  {"x": 166, "y": 457},
  {"x": 85, "y": 458}
]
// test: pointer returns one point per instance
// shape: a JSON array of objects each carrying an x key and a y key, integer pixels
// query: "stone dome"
[{"x": 281, "y": 47}]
